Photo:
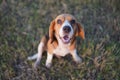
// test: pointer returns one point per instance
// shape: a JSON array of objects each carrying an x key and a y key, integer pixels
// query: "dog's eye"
[
  {"x": 72, "y": 21},
  {"x": 59, "y": 21}
]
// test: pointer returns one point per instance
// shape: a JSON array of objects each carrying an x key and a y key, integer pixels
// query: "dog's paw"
[
  {"x": 48, "y": 65},
  {"x": 78, "y": 60},
  {"x": 35, "y": 65}
]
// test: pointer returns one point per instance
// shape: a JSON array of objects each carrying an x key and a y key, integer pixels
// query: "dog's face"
[{"x": 65, "y": 27}]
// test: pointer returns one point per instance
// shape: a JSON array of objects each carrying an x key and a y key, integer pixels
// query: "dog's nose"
[{"x": 66, "y": 29}]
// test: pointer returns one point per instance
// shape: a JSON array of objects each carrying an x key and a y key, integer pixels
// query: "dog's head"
[{"x": 65, "y": 27}]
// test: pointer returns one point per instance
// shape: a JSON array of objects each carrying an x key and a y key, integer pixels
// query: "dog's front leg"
[
  {"x": 49, "y": 60},
  {"x": 75, "y": 56}
]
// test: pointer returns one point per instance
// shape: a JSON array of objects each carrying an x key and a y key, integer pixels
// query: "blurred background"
[{"x": 24, "y": 22}]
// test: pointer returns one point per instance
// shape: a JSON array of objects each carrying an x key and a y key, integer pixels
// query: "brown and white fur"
[{"x": 61, "y": 40}]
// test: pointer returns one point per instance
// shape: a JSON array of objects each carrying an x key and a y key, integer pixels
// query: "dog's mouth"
[{"x": 65, "y": 39}]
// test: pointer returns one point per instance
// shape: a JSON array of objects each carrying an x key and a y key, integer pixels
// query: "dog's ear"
[
  {"x": 80, "y": 31},
  {"x": 51, "y": 29}
]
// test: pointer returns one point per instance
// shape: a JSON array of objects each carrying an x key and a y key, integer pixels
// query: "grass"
[{"x": 23, "y": 22}]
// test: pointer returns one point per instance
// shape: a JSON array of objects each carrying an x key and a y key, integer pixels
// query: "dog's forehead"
[{"x": 65, "y": 17}]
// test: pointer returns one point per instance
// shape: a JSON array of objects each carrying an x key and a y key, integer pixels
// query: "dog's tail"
[{"x": 33, "y": 57}]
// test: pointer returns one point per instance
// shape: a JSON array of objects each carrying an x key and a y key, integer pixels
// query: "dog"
[{"x": 61, "y": 40}]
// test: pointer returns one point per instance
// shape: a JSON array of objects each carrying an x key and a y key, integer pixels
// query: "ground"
[{"x": 24, "y": 22}]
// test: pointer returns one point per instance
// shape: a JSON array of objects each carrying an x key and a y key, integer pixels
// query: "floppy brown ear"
[
  {"x": 51, "y": 29},
  {"x": 80, "y": 31}
]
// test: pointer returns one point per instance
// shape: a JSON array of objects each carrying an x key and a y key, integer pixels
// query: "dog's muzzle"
[{"x": 65, "y": 39}]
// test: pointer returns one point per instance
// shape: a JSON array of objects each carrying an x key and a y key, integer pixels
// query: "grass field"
[{"x": 24, "y": 22}]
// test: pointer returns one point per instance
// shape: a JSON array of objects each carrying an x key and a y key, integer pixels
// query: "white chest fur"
[{"x": 62, "y": 50}]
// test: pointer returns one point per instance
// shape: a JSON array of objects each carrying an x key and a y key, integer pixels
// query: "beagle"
[{"x": 61, "y": 40}]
